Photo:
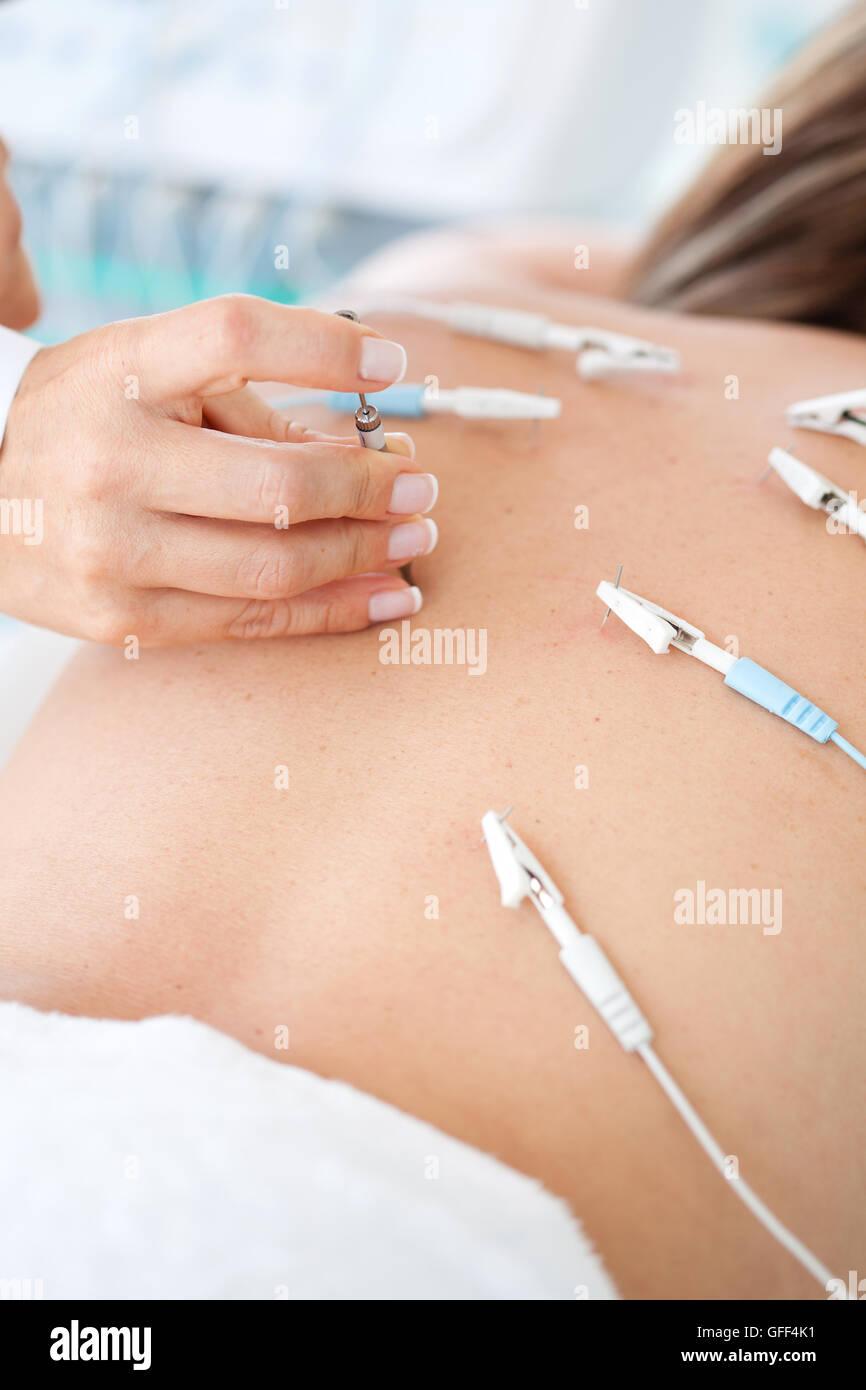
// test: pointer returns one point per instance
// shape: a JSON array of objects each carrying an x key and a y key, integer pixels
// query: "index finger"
[{"x": 218, "y": 345}]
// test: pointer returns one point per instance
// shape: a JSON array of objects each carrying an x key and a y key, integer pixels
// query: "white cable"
[
  {"x": 715, "y": 1153},
  {"x": 404, "y": 304},
  {"x": 601, "y": 353},
  {"x": 521, "y": 875}
]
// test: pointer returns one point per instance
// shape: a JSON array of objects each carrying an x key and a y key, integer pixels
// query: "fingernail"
[
  {"x": 394, "y": 603},
  {"x": 411, "y": 539},
  {"x": 413, "y": 492},
  {"x": 381, "y": 360}
]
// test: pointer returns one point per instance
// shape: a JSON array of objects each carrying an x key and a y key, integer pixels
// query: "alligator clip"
[
  {"x": 521, "y": 876},
  {"x": 519, "y": 872},
  {"x": 602, "y": 354},
  {"x": 817, "y": 491},
  {"x": 844, "y": 414},
  {"x": 660, "y": 629}
]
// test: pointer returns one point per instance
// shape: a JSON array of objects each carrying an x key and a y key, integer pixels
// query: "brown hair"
[{"x": 778, "y": 236}]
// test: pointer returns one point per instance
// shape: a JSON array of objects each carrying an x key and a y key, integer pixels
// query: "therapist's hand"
[{"x": 154, "y": 527}]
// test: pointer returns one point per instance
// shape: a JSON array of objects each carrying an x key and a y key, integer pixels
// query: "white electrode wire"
[
  {"x": 848, "y": 748},
  {"x": 404, "y": 304},
  {"x": 714, "y": 1151}
]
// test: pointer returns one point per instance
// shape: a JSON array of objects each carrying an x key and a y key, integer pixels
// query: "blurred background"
[{"x": 167, "y": 150}]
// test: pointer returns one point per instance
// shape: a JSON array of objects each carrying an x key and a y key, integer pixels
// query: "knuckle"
[
  {"x": 275, "y": 487},
  {"x": 231, "y": 323},
  {"x": 338, "y": 615},
  {"x": 283, "y": 429},
  {"x": 90, "y": 479},
  {"x": 259, "y": 618},
  {"x": 360, "y": 545},
  {"x": 268, "y": 574},
  {"x": 368, "y": 488}
]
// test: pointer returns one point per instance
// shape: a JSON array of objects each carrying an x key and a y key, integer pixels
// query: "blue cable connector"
[{"x": 765, "y": 689}]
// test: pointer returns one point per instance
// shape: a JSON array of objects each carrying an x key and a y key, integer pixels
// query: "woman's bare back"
[{"x": 296, "y": 823}]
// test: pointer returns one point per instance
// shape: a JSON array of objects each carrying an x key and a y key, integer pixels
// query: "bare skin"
[{"x": 305, "y": 907}]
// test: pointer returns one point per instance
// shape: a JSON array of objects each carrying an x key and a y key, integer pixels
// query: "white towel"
[{"x": 162, "y": 1159}]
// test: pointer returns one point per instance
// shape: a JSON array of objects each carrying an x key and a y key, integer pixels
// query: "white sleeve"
[{"x": 16, "y": 352}]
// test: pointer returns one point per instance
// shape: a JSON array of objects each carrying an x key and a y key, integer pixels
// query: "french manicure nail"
[
  {"x": 411, "y": 539},
  {"x": 413, "y": 492},
  {"x": 394, "y": 603},
  {"x": 381, "y": 360}
]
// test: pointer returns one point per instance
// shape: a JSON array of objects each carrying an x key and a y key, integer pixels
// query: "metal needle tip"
[
  {"x": 769, "y": 468},
  {"x": 616, "y": 586},
  {"x": 535, "y": 427}
]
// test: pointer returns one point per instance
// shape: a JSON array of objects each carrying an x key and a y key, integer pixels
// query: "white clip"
[
  {"x": 521, "y": 876},
  {"x": 655, "y": 628},
  {"x": 605, "y": 354},
  {"x": 660, "y": 629},
  {"x": 519, "y": 872},
  {"x": 599, "y": 353},
  {"x": 817, "y": 492},
  {"x": 810, "y": 486},
  {"x": 844, "y": 414}
]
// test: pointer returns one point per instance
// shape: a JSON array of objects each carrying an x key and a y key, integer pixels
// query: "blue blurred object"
[{"x": 106, "y": 247}]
